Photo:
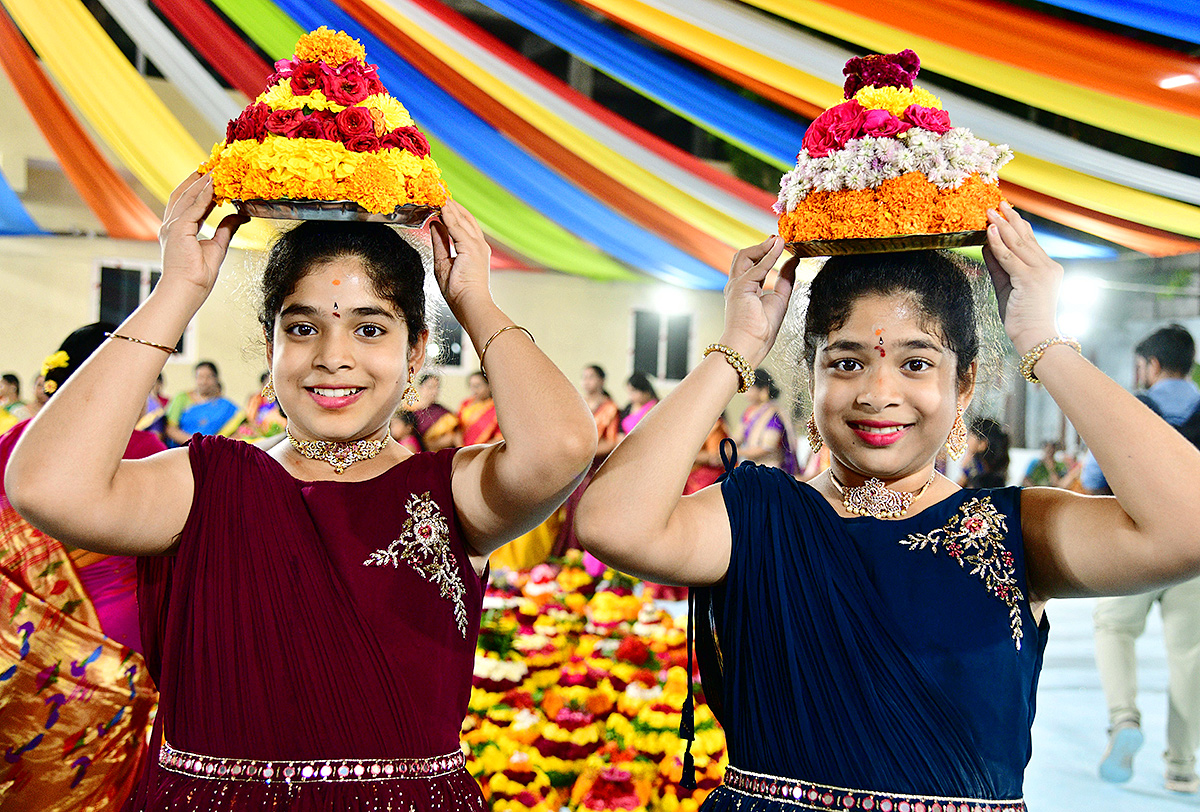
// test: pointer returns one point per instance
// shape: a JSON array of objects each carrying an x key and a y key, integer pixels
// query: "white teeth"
[
  {"x": 334, "y": 393},
  {"x": 880, "y": 429}
]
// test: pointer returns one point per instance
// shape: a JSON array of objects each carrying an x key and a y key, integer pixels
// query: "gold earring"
[
  {"x": 956, "y": 443},
  {"x": 410, "y": 396},
  {"x": 814, "y": 436},
  {"x": 268, "y": 392}
]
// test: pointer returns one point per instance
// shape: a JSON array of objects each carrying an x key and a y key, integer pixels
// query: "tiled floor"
[{"x": 1069, "y": 734}]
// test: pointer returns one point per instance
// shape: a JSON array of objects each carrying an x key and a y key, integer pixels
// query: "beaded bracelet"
[
  {"x": 488, "y": 343},
  {"x": 1029, "y": 360},
  {"x": 737, "y": 361}
]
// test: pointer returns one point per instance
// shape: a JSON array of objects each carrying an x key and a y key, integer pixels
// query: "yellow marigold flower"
[
  {"x": 331, "y": 47},
  {"x": 58, "y": 360},
  {"x": 896, "y": 99},
  {"x": 394, "y": 113}
]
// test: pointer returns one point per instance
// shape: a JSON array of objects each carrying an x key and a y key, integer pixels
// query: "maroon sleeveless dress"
[{"x": 312, "y": 642}]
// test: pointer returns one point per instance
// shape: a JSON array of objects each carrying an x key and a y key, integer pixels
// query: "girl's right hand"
[
  {"x": 753, "y": 314},
  {"x": 186, "y": 257}
]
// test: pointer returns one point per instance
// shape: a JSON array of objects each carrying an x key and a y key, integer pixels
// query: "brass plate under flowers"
[
  {"x": 407, "y": 216},
  {"x": 878, "y": 245}
]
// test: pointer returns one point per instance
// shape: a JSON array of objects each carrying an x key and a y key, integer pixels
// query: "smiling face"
[
  {"x": 885, "y": 413},
  {"x": 340, "y": 355}
]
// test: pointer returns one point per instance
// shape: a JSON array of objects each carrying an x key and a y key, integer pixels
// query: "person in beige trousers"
[{"x": 1163, "y": 360}]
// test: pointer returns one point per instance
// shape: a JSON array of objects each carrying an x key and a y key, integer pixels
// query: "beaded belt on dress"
[
  {"x": 807, "y": 795},
  {"x": 317, "y": 771}
]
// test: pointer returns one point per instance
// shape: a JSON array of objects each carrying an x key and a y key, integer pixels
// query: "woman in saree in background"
[
  {"x": 437, "y": 424},
  {"x": 764, "y": 435},
  {"x": 608, "y": 419},
  {"x": 264, "y": 418},
  {"x": 202, "y": 410},
  {"x": 75, "y": 694},
  {"x": 642, "y": 399},
  {"x": 477, "y": 414}
]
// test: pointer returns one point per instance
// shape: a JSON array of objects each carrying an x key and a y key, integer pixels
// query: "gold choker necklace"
[
  {"x": 340, "y": 455},
  {"x": 873, "y": 498}
]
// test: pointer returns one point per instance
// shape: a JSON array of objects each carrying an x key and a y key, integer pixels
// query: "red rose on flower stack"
[{"x": 326, "y": 129}]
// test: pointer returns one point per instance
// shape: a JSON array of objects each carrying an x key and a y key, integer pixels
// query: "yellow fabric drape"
[
  {"x": 1140, "y": 121},
  {"x": 669, "y": 197},
  {"x": 1041, "y": 176},
  {"x": 117, "y": 102}
]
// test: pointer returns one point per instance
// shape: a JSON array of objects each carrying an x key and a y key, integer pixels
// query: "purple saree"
[{"x": 331, "y": 625}]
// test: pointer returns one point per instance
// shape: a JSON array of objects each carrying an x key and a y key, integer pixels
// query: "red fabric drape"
[
  {"x": 121, "y": 212},
  {"x": 218, "y": 44},
  {"x": 591, "y": 178},
  {"x": 1122, "y": 232}
]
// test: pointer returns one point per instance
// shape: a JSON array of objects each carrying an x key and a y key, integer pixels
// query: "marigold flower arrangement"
[
  {"x": 887, "y": 162},
  {"x": 599, "y": 729},
  {"x": 326, "y": 129}
]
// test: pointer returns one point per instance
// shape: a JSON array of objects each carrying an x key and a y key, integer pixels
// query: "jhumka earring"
[
  {"x": 814, "y": 436},
  {"x": 268, "y": 392},
  {"x": 956, "y": 443},
  {"x": 410, "y": 396}
]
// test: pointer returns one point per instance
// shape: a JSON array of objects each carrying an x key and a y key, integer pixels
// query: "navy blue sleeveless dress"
[{"x": 870, "y": 664}]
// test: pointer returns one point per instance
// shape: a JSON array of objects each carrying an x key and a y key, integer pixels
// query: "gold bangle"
[
  {"x": 737, "y": 361},
  {"x": 488, "y": 343},
  {"x": 1029, "y": 360},
  {"x": 167, "y": 350}
]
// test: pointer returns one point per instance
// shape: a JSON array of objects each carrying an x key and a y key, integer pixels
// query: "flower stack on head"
[
  {"x": 326, "y": 129},
  {"x": 886, "y": 162}
]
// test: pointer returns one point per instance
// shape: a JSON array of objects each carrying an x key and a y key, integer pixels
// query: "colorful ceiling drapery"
[
  {"x": 119, "y": 210},
  {"x": 562, "y": 182},
  {"x": 1167, "y": 17}
]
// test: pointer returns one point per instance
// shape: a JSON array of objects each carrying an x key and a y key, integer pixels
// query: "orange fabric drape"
[
  {"x": 1053, "y": 47},
  {"x": 591, "y": 178},
  {"x": 1136, "y": 236},
  {"x": 121, "y": 212}
]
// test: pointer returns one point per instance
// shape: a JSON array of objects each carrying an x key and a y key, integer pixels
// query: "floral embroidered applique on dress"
[
  {"x": 425, "y": 544},
  {"x": 975, "y": 536}
]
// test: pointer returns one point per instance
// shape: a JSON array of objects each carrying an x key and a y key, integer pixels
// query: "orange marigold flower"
[
  {"x": 331, "y": 47},
  {"x": 909, "y": 204}
]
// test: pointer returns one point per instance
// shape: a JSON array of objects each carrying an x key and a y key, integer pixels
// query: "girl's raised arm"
[
  {"x": 66, "y": 475},
  {"x": 508, "y": 488},
  {"x": 632, "y": 515},
  {"x": 1146, "y": 533}
]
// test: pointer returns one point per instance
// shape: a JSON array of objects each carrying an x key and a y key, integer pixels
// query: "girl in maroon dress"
[{"x": 310, "y": 612}]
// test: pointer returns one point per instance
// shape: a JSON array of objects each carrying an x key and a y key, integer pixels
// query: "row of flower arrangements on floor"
[{"x": 578, "y": 688}]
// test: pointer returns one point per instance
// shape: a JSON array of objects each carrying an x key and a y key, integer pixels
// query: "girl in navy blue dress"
[{"x": 872, "y": 639}]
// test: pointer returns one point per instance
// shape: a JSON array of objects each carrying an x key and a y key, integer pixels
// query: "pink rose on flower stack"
[
  {"x": 927, "y": 118},
  {"x": 833, "y": 128}
]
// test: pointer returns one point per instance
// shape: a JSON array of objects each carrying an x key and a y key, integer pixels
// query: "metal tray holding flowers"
[
  {"x": 410, "y": 215},
  {"x": 877, "y": 245}
]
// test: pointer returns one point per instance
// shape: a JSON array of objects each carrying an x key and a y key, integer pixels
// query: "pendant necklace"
[
  {"x": 340, "y": 455},
  {"x": 873, "y": 498}
]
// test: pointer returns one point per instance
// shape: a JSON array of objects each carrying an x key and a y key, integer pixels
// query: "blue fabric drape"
[
  {"x": 753, "y": 127},
  {"x": 14, "y": 219},
  {"x": 509, "y": 165},
  {"x": 1170, "y": 18}
]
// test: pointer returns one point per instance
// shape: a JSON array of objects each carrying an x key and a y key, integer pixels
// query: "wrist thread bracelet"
[
  {"x": 488, "y": 343},
  {"x": 1029, "y": 360},
  {"x": 163, "y": 347},
  {"x": 737, "y": 361}
]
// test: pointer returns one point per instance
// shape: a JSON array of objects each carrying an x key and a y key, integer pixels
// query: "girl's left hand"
[
  {"x": 464, "y": 276},
  {"x": 1025, "y": 278}
]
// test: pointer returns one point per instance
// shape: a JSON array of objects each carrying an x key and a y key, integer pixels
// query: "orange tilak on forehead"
[{"x": 879, "y": 346}]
